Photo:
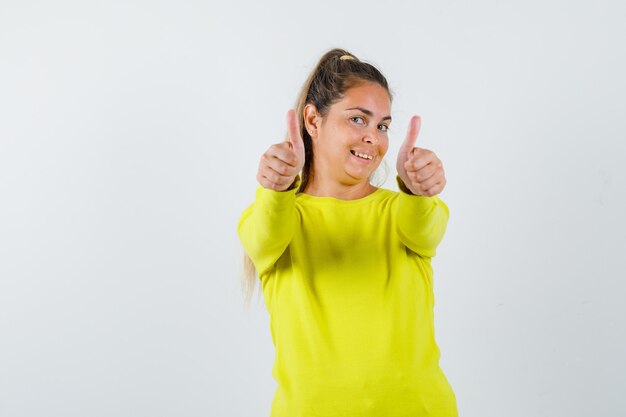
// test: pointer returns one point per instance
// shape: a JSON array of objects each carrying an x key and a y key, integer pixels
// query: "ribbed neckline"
[{"x": 332, "y": 200}]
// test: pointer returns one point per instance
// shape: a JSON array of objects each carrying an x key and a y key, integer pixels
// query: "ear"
[{"x": 312, "y": 120}]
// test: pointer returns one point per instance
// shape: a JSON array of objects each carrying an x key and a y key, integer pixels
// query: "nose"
[{"x": 371, "y": 137}]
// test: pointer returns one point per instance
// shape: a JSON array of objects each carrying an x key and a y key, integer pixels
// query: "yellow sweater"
[{"x": 349, "y": 288}]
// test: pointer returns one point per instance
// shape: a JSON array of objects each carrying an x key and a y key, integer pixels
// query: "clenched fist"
[
  {"x": 282, "y": 162},
  {"x": 420, "y": 169}
]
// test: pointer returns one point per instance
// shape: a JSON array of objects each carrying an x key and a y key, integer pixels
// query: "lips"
[{"x": 361, "y": 155}]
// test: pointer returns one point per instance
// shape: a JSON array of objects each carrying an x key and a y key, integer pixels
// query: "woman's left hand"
[{"x": 420, "y": 169}]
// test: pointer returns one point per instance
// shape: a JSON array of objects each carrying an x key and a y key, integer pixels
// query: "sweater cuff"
[
  {"x": 273, "y": 200},
  {"x": 417, "y": 203}
]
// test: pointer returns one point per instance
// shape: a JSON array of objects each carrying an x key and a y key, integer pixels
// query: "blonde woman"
[{"x": 345, "y": 266}]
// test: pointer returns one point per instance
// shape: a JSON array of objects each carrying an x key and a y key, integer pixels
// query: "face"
[{"x": 351, "y": 141}]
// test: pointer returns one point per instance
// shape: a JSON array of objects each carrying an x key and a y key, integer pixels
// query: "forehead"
[{"x": 367, "y": 95}]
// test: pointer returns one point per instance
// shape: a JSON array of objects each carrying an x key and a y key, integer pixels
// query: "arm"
[
  {"x": 422, "y": 217},
  {"x": 421, "y": 221},
  {"x": 266, "y": 227}
]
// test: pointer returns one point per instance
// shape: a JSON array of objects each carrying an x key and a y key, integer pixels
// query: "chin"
[{"x": 356, "y": 178}]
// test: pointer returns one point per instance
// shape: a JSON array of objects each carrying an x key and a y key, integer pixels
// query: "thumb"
[
  {"x": 293, "y": 131},
  {"x": 411, "y": 134},
  {"x": 295, "y": 138}
]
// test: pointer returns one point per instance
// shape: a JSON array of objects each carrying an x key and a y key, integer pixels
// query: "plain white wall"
[{"x": 130, "y": 136}]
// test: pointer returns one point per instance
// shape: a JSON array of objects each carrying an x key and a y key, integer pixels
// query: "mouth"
[{"x": 361, "y": 155}]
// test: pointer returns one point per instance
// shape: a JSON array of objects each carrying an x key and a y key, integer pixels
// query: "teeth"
[{"x": 362, "y": 155}]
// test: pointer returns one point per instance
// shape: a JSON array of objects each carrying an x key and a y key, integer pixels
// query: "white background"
[{"x": 130, "y": 136}]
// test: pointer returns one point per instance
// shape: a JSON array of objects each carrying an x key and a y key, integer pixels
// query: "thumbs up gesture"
[
  {"x": 420, "y": 169},
  {"x": 282, "y": 162}
]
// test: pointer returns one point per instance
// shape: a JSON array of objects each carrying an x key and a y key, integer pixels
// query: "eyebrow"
[{"x": 368, "y": 112}]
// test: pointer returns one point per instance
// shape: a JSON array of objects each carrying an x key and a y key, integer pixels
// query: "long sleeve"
[
  {"x": 421, "y": 221},
  {"x": 266, "y": 227}
]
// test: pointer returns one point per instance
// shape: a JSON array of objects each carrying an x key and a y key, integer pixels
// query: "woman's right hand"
[{"x": 282, "y": 162}]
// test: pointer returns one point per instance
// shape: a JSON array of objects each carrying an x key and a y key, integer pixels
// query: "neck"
[{"x": 344, "y": 191}]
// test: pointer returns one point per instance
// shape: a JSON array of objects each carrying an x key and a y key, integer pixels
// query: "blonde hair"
[{"x": 336, "y": 72}]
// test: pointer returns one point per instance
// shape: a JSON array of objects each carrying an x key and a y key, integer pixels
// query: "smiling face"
[{"x": 351, "y": 140}]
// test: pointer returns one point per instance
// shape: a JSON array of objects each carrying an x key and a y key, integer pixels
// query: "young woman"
[{"x": 345, "y": 267}]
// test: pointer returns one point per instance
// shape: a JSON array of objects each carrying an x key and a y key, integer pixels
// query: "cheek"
[{"x": 383, "y": 146}]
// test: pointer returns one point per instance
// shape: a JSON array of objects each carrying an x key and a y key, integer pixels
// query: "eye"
[
  {"x": 384, "y": 128},
  {"x": 357, "y": 119}
]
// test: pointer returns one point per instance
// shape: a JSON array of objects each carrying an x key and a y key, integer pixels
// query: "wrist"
[
  {"x": 295, "y": 184},
  {"x": 403, "y": 187}
]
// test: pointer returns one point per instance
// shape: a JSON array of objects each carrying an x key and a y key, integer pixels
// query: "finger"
[
  {"x": 293, "y": 130},
  {"x": 427, "y": 184},
  {"x": 274, "y": 177},
  {"x": 264, "y": 182},
  {"x": 435, "y": 189},
  {"x": 282, "y": 152},
  {"x": 270, "y": 185},
  {"x": 426, "y": 172},
  {"x": 418, "y": 160},
  {"x": 411, "y": 135},
  {"x": 418, "y": 188},
  {"x": 281, "y": 167}
]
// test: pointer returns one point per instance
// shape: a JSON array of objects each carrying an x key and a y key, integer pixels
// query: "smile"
[{"x": 361, "y": 155}]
